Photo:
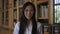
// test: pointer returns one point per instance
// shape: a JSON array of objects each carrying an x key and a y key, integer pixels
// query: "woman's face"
[{"x": 28, "y": 12}]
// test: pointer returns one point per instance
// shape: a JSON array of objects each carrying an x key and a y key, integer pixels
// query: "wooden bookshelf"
[
  {"x": 4, "y": 26},
  {"x": 46, "y": 32},
  {"x": 42, "y": 11},
  {"x": 41, "y": 1},
  {"x": 20, "y": 6},
  {"x": 4, "y": 15},
  {"x": 7, "y": 19},
  {"x": 15, "y": 3},
  {"x": 15, "y": 13},
  {"x": 56, "y": 29},
  {"x": 43, "y": 18},
  {"x": 0, "y": 18},
  {"x": 46, "y": 28},
  {"x": 15, "y": 8}
]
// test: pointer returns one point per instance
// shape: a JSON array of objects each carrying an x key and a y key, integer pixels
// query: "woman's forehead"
[{"x": 29, "y": 7}]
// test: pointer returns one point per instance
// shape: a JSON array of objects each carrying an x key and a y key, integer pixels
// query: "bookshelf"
[
  {"x": 56, "y": 28},
  {"x": 46, "y": 28},
  {"x": 4, "y": 12},
  {"x": 45, "y": 14},
  {"x": 42, "y": 12},
  {"x": 2, "y": 17},
  {"x": 21, "y": 2},
  {"x": 15, "y": 13},
  {"x": 7, "y": 19},
  {"x": 42, "y": 1},
  {"x": 15, "y": 3}
]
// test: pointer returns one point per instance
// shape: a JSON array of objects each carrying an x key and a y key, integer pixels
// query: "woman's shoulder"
[
  {"x": 16, "y": 28},
  {"x": 17, "y": 24}
]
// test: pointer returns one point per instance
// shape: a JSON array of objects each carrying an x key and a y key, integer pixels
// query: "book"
[{"x": 42, "y": 11}]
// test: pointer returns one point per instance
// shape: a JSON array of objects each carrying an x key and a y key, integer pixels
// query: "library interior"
[{"x": 47, "y": 13}]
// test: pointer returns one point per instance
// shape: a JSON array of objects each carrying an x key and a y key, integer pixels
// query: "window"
[
  {"x": 57, "y": 11},
  {"x": 56, "y": 1}
]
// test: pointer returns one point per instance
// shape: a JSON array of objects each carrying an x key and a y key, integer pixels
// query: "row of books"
[
  {"x": 15, "y": 13},
  {"x": 42, "y": 11},
  {"x": 5, "y": 17},
  {"x": 51, "y": 28}
]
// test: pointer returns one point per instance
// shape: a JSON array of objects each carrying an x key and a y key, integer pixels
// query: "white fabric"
[{"x": 28, "y": 29}]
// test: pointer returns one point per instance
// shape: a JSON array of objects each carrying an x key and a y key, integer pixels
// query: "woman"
[{"x": 28, "y": 24}]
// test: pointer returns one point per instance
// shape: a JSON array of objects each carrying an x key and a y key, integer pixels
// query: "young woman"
[{"x": 28, "y": 24}]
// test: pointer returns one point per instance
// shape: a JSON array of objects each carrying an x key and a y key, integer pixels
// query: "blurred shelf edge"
[{"x": 41, "y": 1}]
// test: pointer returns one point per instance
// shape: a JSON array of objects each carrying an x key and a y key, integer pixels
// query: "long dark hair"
[{"x": 23, "y": 21}]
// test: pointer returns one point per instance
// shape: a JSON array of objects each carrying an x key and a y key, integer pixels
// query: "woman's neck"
[{"x": 29, "y": 21}]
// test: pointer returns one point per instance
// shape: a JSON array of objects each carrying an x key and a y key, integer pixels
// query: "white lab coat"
[{"x": 29, "y": 29}]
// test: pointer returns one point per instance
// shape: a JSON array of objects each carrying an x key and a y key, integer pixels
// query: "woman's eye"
[
  {"x": 26, "y": 10},
  {"x": 31, "y": 10}
]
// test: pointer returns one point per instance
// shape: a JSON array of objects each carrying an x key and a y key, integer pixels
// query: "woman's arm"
[{"x": 16, "y": 29}]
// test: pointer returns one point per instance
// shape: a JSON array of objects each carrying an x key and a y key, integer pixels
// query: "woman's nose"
[{"x": 29, "y": 12}]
